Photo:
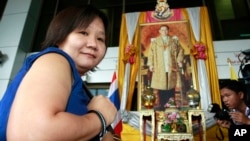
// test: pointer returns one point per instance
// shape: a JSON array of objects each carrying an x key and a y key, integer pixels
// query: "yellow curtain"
[
  {"x": 206, "y": 38},
  {"x": 121, "y": 65}
]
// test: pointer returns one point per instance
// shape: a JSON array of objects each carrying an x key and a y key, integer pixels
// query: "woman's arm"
[{"x": 38, "y": 108}]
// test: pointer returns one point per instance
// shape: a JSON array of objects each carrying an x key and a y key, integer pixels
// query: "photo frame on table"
[{"x": 165, "y": 73}]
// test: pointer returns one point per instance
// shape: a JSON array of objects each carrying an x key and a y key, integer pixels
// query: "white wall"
[
  {"x": 229, "y": 49},
  {"x": 11, "y": 28},
  {"x": 17, "y": 28},
  {"x": 106, "y": 67}
]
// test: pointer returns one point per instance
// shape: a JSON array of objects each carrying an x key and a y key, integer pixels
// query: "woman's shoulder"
[{"x": 49, "y": 52}]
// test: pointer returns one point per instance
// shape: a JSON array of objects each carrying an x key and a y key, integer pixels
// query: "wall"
[
  {"x": 17, "y": 29},
  {"x": 229, "y": 49},
  {"x": 106, "y": 68}
]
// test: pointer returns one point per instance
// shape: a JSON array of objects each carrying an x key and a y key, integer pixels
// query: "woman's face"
[
  {"x": 230, "y": 98},
  {"x": 86, "y": 46}
]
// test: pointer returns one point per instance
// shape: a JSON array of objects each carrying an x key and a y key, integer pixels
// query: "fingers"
[
  {"x": 238, "y": 117},
  {"x": 223, "y": 123},
  {"x": 151, "y": 68},
  {"x": 105, "y": 106}
]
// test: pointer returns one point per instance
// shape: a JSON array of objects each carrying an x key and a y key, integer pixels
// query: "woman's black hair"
[{"x": 71, "y": 18}]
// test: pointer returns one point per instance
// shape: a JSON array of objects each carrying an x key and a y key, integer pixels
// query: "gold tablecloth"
[{"x": 130, "y": 133}]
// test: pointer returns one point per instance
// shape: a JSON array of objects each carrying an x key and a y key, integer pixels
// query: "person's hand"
[
  {"x": 223, "y": 123},
  {"x": 110, "y": 137},
  {"x": 151, "y": 68},
  {"x": 105, "y": 106},
  {"x": 239, "y": 117}
]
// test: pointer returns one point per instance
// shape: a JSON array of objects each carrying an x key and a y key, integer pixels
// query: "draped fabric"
[
  {"x": 125, "y": 88},
  {"x": 123, "y": 42},
  {"x": 131, "y": 23},
  {"x": 194, "y": 17},
  {"x": 205, "y": 38},
  {"x": 233, "y": 75},
  {"x": 204, "y": 87}
]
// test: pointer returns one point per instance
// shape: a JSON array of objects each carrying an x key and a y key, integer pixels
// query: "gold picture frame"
[{"x": 166, "y": 85}]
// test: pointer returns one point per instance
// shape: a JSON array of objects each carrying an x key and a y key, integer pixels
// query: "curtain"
[
  {"x": 206, "y": 38},
  {"x": 204, "y": 87},
  {"x": 123, "y": 42}
]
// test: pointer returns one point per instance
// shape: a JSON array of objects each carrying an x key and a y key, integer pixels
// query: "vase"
[
  {"x": 181, "y": 128},
  {"x": 148, "y": 98},
  {"x": 174, "y": 127},
  {"x": 166, "y": 128},
  {"x": 193, "y": 97}
]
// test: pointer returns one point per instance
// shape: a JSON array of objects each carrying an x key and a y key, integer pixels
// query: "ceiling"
[
  {"x": 131, "y": 5},
  {"x": 223, "y": 22}
]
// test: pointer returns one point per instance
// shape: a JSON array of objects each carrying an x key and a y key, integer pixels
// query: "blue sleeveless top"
[{"x": 77, "y": 102}]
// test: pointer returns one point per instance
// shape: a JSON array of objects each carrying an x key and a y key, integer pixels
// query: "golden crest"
[{"x": 162, "y": 10}]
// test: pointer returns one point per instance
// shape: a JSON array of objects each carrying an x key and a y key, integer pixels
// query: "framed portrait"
[{"x": 165, "y": 72}]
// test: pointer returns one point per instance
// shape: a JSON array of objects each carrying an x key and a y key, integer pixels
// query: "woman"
[{"x": 46, "y": 100}]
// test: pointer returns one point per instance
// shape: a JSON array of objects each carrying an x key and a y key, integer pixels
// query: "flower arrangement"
[
  {"x": 130, "y": 54},
  {"x": 199, "y": 51},
  {"x": 173, "y": 122},
  {"x": 173, "y": 117},
  {"x": 170, "y": 103}
]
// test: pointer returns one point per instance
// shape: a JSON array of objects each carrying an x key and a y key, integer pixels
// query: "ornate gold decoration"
[
  {"x": 148, "y": 98},
  {"x": 193, "y": 97},
  {"x": 162, "y": 10}
]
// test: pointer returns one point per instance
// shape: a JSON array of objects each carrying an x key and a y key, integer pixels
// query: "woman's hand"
[
  {"x": 105, "y": 106},
  {"x": 110, "y": 137}
]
